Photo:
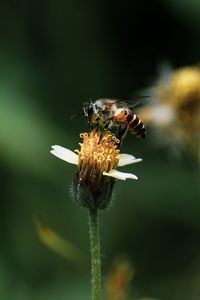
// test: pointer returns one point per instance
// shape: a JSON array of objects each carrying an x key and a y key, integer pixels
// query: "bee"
[{"x": 111, "y": 113}]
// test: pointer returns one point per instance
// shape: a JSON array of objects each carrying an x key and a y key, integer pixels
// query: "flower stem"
[{"x": 95, "y": 254}]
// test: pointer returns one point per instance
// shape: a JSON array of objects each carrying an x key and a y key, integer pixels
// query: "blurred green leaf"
[{"x": 59, "y": 245}]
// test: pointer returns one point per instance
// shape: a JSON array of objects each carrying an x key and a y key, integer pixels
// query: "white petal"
[
  {"x": 120, "y": 175},
  {"x": 65, "y": 154},
  {"x": 127, "y": 159}
]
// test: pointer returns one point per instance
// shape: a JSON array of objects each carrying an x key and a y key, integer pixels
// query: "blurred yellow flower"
[{"x": 175, "y": 108}]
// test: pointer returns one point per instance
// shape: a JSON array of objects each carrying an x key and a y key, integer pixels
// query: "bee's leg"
[
  {"x": 91, "y": 127},
  {"x": 103, "y": 131},
  {"x": 101, "y": 136},
  {"x": 122, "y": 132},
  {"x": 106, "y": 126}
]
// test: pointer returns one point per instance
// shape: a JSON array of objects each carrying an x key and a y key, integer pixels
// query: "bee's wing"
[{"x": 131, "y": 103}]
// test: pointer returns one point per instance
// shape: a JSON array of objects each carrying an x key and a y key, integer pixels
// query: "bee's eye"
[{"x": 90, "y": 108}]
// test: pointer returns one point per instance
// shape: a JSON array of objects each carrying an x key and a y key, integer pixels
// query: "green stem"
[{"x": 95, "y": 255}]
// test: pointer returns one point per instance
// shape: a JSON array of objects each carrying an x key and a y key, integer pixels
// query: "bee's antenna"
[
  {"x": 90, "y": 100},
  {"x": 76, "y": 115}
]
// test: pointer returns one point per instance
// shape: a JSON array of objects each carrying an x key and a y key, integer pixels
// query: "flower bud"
[{"x": 91, "y": 195}]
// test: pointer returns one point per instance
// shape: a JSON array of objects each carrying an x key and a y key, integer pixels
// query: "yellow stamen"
[{"x": 98, "y": 154}]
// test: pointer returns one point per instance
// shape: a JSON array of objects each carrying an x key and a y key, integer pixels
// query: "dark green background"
[{"x": 53, "y": 56}]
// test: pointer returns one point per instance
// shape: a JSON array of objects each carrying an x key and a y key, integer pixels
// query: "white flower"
[
  {"x": 72, "y": 158},
  {"x": 97, "y": 161}
]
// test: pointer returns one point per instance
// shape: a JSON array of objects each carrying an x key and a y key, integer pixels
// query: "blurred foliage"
[
  {"x": 56, "y": 243},
  {"x": 55, "y": 55},
  {"x": 118, "y": 280}
]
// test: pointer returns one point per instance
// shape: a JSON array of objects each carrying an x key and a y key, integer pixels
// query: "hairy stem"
[{"x": 95, "y": 255}]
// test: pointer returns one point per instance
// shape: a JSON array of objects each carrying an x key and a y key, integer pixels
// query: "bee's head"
[{"x": 88, "y": 109}]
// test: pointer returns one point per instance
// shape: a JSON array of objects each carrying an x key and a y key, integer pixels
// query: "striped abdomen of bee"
[{"x": 135, "y": 125}]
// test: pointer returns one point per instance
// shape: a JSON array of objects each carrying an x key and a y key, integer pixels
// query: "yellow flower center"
[{"x": 98, "y": 153}]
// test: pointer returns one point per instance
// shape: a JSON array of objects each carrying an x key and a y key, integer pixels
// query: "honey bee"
[{"x": 109, "y": 114}]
